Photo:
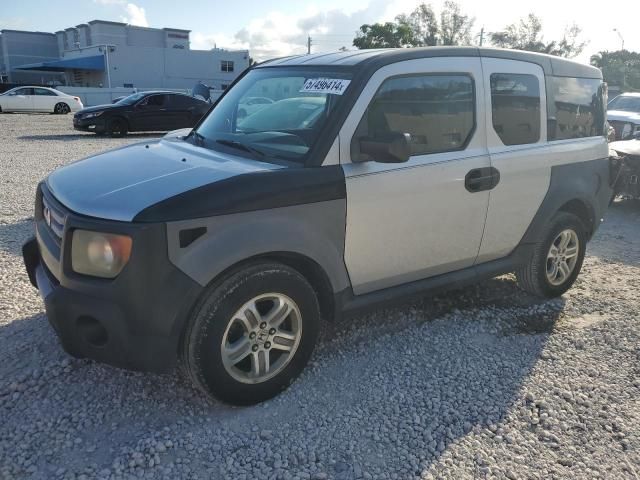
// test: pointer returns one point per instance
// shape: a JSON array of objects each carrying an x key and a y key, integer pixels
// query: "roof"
[
  {"x": 379, "y": 57},
  {"x": 8, "y": 30},
  {"x": 93, "y": 62}
]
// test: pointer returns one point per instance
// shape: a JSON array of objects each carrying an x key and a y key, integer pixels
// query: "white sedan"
[{"x": 38, "y": 99}]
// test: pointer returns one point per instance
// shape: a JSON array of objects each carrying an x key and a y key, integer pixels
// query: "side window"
[
  {"x": 576, "y": 108},
  {"x": 181, "y": 101},
  {"x": 437, "y": 111},
  {"x": 156, "y": 100},
  {"x": 44, "y": 92},
  {"x": 24, "y": 91},
  {"x": 515, "y": 106}
]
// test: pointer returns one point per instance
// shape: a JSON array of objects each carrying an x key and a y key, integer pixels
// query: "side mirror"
[{"x": 391, "y": 148}]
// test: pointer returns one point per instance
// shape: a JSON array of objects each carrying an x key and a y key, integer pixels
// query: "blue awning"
[{"x": 95, "y": 62}]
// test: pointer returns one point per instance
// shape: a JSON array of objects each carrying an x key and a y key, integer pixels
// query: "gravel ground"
[{"x": 485, "y": 382}]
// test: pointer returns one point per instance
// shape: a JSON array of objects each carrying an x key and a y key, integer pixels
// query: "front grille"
[{"x": 53, "y": 216}]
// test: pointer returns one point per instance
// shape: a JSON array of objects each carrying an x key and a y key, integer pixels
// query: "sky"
[{"x": 280, "y": 27}]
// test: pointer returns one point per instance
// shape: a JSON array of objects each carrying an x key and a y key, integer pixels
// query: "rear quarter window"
[
  {"x": 576, "y": 108},
  {"x": 515, "y": 106}
]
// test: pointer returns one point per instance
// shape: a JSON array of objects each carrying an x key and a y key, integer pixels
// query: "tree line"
[{"x": 424, "y": 27}]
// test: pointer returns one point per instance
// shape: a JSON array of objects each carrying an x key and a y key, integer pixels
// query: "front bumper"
[
  {"x": 133, "y": 321},
  {"x": 95, "y": 124}
]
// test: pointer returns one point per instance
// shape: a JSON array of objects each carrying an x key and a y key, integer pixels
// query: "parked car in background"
[
  {"x": 385, "y": 174},
  {"x": 623, "y": 114},
  {"x": 141, "y": 112},
  {"x": 251, "y": 105},
  {"x": 38, "y": 99},
  {"x": 625, "y": 156}
]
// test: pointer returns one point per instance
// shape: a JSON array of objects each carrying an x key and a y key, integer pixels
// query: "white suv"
[
  {"x": 373, "y": 176},
  {"x": 624, "y": 115}
]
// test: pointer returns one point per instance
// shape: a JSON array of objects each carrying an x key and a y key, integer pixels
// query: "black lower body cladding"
[{"x": 133, "y": 321}]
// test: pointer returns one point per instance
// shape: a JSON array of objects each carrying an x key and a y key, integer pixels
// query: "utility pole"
[
  {"x": 621, "y": 37},
  {"x": 308, "y": 44},
  {"x": 481, "y": 35}
]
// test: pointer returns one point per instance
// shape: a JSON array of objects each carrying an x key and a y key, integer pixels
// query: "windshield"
[
  {"x": 131, "y": 99},
  {"x": 625, "y": 103},
  {"x": 273, "y": 114}
]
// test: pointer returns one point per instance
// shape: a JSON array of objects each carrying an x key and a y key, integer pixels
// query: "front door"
[
  {"x": 151, "y": 114},
  {"x": 21, "y": 100},
  {"x": 425, "y": 217}
]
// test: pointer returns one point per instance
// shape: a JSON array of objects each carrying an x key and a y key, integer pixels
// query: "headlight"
[
  {"x": 92, "y": 114},
  {"x": 99, "y": 254},
  {"x": 626, "y": 130}
]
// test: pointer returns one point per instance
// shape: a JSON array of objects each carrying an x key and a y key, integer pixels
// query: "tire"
[
  {"x": 117, "y": 127},
  {"x": 61, "y": 108},
  {"x": 217, "y": 326},
  {"x": 537, "y": 277}
]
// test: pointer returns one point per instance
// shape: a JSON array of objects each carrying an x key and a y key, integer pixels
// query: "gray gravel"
[{"x": 485, "y": 382}]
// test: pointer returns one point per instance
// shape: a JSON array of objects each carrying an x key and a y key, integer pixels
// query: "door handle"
[{"x": 481, "y": 179}]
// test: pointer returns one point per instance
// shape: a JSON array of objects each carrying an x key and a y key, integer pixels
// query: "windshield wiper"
[{"x": 240, "y": 146}]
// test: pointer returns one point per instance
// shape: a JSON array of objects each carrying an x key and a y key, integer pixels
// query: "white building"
[{"x": 111, "y": 54}]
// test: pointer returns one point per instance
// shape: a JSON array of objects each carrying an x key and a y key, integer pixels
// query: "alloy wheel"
[
  {"x": 562, "y": 257},
  {"x": 261, "y": 338}
]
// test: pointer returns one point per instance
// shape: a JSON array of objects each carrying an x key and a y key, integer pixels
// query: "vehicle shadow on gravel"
[
  {"x": 13, "y": 235},
  {"x": 618, "y": 239},
  {"x": 409, "y": 379},
  {"x": 84, "y": 136}
]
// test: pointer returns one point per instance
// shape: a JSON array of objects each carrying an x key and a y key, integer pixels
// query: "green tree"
[
  {"x": 455, "y": 27},
  {"x": 620, "y": 67},
  {"x": 423, "y": 24},
  {"x": 526, "y": 34},
  {"x": 420, "y": 28},
  {"x": 384, "y": 35}
]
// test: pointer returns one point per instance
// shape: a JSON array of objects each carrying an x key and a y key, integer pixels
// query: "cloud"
[
  {"x": 135, "y": 15},
  {"x": 280, "y": 34}
]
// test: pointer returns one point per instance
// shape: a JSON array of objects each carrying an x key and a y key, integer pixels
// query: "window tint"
[
  {"x": 437, "y": 111},
  {"x": 24, "y": 91},
  {"x": 515, "y": 104},
  {"x": 156, "y": 100},
  {"x": 576, "y": 108},
  {"x": 44, "y": 92},
  {"x": 182, "y": 101}
]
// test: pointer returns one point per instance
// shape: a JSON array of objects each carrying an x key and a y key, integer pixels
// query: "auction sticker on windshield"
[{"x": 335, "y": 86}]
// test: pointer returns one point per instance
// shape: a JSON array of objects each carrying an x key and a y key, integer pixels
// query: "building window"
[
  {"x": 438, "y": 111},
  {"x": 515, "y": 106},
  {"x": 226, "y": 66}
]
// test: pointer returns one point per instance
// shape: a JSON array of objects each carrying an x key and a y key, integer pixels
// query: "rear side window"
[
  {"x": 515, "y": 105},
  {"x": 576, "y": 108},
  {"x": 438, "y": 111},
  {"x": 156, "y": 100},
  {"x": 182, "y": 101},
  {"x": 44, "y": 92}
]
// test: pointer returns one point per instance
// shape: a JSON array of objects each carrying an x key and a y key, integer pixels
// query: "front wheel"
[
  {"x": 252, "y": 333},
  {"x": 117, "y": 127},
  {"x": 557, "y": 260}
]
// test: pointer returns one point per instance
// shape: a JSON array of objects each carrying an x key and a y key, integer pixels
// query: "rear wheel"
[
  {"x": 252, "y": 334},
  {"x": 61, "y": 108},
  {"x": 557, "y": 260},
  {"x": 117, "y": 127}
]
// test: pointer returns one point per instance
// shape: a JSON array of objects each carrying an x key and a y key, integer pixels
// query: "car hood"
[
  {"x": 622, "y": 116},
  {"x": 97, "y": 108},
  {"x": 118, "y": 184},
  {"x": 626, "y": 147}
]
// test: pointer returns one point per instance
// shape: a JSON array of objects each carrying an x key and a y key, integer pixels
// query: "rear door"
[
  {"x": 516, "y": 119},
  {"x": 425, "y": 217},
  {"x": 151, "y": 114},
  {"x": 181, "y": 111},
  {"x": 21, "y": 100},
  {"x": 44, "y": 100}
]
